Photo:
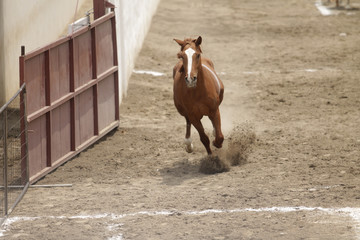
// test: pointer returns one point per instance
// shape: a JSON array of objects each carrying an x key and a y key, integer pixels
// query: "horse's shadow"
[{"x": 181, "y": 171}]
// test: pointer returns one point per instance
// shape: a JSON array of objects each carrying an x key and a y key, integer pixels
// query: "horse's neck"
[{"x": 201, "y": 76}]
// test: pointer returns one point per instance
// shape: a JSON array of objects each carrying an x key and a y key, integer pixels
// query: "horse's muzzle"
[{"x": 191, "y": 83}]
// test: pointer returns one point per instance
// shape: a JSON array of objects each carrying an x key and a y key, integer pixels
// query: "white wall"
[
  {"x": 32, "y": 23},
  {"x": 133, "y": 22},
  {"x": 2, "y": 58}
]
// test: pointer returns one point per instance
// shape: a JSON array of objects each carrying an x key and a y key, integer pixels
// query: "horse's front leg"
[
  {"x": 203, "y": 137},
  {"x": 216, "y": 121},
  {"x": 188, "y": 142}
]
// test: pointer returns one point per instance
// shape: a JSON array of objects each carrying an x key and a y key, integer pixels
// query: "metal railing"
[{"x": 14, "y": 179}]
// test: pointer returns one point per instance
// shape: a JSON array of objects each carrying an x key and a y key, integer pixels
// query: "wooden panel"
[
  {"x": 72, "y": 94},
  {"x": 35, "y": 83},
  {"x": 82, "y": 59},
  {"x": 61, "y": 135},
  {"x": 84, "y": 117},
  {"x": 37, "y": 145},
  {"x": 106, "y": 102},
  {"x": 59, "y": 71},
  {"x": 104, "y": 47}
]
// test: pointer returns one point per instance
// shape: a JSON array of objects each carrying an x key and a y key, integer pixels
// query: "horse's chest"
[
  {"x": 196, "y": 108},
  {"x": 193, "y": 102}
]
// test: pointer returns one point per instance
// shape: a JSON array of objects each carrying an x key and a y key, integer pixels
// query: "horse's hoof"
[
  {"x": 217, "y": 145},
  {"x": 189, "y": 148}
]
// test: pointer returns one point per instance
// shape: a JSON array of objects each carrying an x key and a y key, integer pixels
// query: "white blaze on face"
[{"x": 189, "y": 53}]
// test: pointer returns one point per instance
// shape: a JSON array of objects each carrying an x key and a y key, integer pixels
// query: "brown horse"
[{"x": 198, "y": 92}]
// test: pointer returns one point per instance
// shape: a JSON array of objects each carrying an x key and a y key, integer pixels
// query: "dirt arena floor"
[{"x": 292, "y": 78}]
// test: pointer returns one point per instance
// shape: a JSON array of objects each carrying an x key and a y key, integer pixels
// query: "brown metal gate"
[{"x": 72, "y": 94}]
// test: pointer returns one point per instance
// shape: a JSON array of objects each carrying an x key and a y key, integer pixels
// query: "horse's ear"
[
  {"x": 180, "y": 42},
  {"x": 198, "y": 41}
]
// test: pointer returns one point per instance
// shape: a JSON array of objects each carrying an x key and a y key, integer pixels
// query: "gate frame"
[
  {"x": 70, "y": 96},
  {"x": 24, "y": 161}
]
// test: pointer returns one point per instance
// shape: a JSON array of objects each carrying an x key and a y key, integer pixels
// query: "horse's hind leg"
[
  {"x": 188, "y": 142},
  {"x": 203, "y": 137},
  {"x": 216, "y": 121}
]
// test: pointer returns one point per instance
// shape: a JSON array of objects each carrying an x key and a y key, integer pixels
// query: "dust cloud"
[{"x": 235, "y": 151}]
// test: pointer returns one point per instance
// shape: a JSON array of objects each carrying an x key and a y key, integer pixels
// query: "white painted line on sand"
[
  {"x": 354, "y": 213},
  {"x": 156, "y": 74},
  {"x": 250, "y": 73},
  {"x": 310, "y": 70},
  {"x": 323, "y": 9},
  {"x": 327, "y": 11},
  {"x": 307, "y": 70}
]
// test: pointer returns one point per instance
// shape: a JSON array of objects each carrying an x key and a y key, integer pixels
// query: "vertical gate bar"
[
  {"x": 48, "y": 139},
  {"x": 72, "y": 89},
  {"x": 99, "y": 8},
  {"x": 22, "y": 66},
  {"x": 48, "y": 103},
  {"x": 25, "y": 182},
  {"x": 116, "y": 80},
  {"x": 23, "y": 138},
  {"x": 93, "y": 53},
  {"x": 94, "y": 76},
  {"x": 117, "y": 102},
  {"x": 5, "y": 163},
  {"x": 26, "y": 162},
  {"x": 71, "y": 65},
  {"x": 113, "y": 32},
  {"x": 96, "y": 114},
  {"x": 47, "y": 78},
  {"x": 72, "y": 125},
  {"x": 23, "y": 122}
]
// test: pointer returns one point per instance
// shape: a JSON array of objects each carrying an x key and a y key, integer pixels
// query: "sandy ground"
[{"x": 291, "y": 76}]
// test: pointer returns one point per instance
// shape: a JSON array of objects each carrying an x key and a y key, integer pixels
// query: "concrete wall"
[
  {"x": 2, "y": 57},
  {"x": 32, "y": 23},
  {"x": 133, "y": 22}
]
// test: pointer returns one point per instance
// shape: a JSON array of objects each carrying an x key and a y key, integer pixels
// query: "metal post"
[
  {"x": 5, "y": 163},
  {"x": 23, "y": 120},
  {"x": 26, "y": 136}
]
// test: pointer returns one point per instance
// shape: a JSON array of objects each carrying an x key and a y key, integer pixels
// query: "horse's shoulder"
[
  {"x": 208, "y": 62},
  {"x": 178, "y": 67}
]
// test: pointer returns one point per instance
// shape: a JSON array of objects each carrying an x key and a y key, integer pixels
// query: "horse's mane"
[{"x": 191, "y": 42}]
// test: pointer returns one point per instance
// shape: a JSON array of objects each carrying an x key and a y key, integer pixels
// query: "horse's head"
[{"x": 190, "y": 54}]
